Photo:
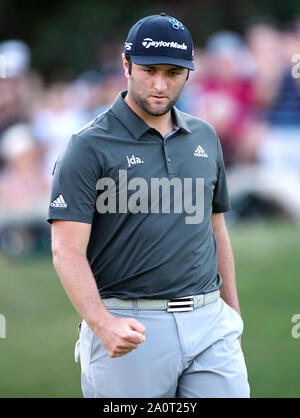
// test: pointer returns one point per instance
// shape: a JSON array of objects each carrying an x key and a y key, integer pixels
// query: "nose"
[{"x": 160, "y": 82}]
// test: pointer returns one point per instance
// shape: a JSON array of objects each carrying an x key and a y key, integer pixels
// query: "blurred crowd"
[{"x": 243, "y": 85}]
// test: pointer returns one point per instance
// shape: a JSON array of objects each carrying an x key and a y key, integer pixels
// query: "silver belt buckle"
[{"x": 183, "y": 304}]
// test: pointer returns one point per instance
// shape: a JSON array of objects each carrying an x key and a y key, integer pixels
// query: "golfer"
[{"x": 139, "y": 239}]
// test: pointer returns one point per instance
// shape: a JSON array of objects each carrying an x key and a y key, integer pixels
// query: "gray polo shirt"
[{"x": 149, "y": 200}]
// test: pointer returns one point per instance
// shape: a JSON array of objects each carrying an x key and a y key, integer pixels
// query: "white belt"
[{"x": 181, "y": 304}]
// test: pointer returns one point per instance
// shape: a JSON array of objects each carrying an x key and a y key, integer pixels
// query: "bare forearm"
[
  {"x": 119, "y": 336},
  {"x": 226, "y": 269},
  {"x": 79, "y": 283},
  {"x": 226, "y": 266}
]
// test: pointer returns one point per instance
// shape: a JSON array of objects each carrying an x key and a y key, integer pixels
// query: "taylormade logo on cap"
[
  {"x": 147, "y": 42},
  {"x": 160, "y": 39}
]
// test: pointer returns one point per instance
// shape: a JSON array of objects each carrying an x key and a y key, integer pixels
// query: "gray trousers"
[{"x": 186, "y": 355}]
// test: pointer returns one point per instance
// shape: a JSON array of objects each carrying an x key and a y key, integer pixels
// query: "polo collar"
[
  {"x": 179, "y": 121},
  {"x": 135, "y": 125}
]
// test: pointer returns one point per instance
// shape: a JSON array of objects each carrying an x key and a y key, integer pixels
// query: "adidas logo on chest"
[{"x": 199, "y": 152}]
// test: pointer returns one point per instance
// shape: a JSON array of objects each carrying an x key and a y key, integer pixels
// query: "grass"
[
  {"x": 267, "y": 259},
  {"x": 36, "y": 358},
  {"x": 41, "y": 329}
]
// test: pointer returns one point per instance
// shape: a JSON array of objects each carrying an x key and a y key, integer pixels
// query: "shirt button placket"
[{"x": 169, "y": 162}]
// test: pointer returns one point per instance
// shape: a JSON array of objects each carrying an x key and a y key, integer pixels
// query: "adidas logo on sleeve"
[{"x": 59, "y": 202}]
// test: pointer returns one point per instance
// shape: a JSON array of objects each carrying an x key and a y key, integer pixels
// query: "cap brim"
[{"x": 157, "y": 60}]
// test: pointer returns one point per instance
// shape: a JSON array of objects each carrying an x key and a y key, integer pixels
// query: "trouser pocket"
[{"x": 77, "y": 345}]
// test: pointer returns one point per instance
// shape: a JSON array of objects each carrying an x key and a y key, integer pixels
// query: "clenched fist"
[{"x": 119, "y": 336}]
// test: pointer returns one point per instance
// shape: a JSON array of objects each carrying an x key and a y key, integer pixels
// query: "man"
[{"x": 137, "y": 216}]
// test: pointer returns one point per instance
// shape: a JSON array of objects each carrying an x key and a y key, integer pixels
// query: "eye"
[{"x": 175, "y": 73}]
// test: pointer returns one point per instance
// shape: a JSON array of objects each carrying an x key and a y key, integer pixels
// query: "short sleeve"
[
  {"x": 221, "y": 201},
  {"x": 73, "y": 189}
]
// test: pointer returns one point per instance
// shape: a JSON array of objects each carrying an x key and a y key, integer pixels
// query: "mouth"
[{"x": 159, "y": 98}]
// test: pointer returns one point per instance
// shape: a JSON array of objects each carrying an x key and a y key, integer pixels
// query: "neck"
[{"x": 163, "y": 124}]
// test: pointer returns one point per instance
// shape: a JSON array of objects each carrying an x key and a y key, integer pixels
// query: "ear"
[{"x": 125, "y": 66}]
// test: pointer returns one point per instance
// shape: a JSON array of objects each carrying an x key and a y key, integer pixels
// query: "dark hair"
[{"x": 127, "y": 56}]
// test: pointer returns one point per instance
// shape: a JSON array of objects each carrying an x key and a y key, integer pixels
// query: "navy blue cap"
[{"x": 160, "y": 39}]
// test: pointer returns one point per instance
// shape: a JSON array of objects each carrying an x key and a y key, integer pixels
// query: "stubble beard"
[{"x": 143, "y": 103}]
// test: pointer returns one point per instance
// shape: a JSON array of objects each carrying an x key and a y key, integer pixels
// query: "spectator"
[
  {"x": 24, "y": 191},
  {"x": 56, "y": 121},
  {"x": 222, "y": 94},
  {"x": 272, "y": 178},
  {"x": 21, "y": 88}
]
